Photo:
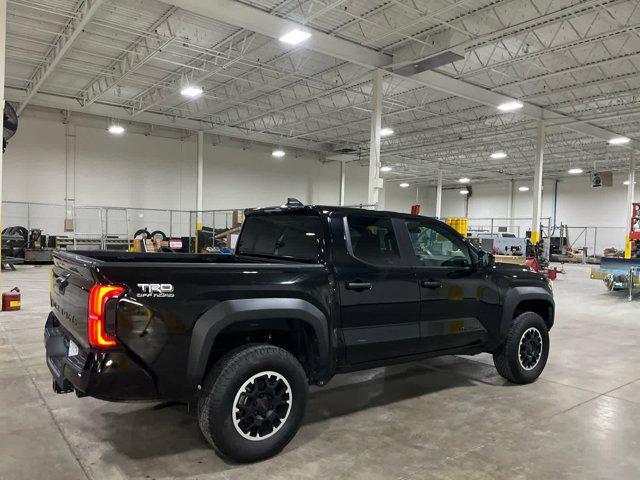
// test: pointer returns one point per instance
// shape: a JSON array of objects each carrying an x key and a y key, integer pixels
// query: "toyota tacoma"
[{"x": 310, "y": 292}]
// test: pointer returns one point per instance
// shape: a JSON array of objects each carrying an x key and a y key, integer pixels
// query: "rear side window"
[
  {"x": 297, "y": 237},
  {"x": 373, "y": 239}
]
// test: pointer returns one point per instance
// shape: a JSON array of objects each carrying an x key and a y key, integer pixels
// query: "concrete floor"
[{"x": 447, "y": 418}]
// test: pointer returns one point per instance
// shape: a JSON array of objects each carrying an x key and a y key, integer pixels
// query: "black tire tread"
[
  {"x": 224, "y": 372},
  {"x": 502, "y": 359}
]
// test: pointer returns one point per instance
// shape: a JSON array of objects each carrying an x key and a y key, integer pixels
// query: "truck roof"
[{"x": 325, "y": 210}]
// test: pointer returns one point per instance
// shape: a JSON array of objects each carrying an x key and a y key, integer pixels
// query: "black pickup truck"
[{"x": 311, "y": 291}]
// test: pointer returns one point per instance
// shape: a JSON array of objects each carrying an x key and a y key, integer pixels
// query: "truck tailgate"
[{"x": 72, "y": 279}]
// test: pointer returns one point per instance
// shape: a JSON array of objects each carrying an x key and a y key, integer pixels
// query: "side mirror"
[{"x": 487, "y": 259}]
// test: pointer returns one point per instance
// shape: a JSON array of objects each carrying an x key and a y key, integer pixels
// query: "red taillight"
[{"x": 98, "y": 297}]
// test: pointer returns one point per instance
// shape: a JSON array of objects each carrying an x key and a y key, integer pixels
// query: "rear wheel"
[
  {"x": 252, "y": 402},
  {"x": 523, "y": 356}
]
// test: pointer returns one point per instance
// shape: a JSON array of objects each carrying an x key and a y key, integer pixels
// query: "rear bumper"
[{"x": 112, "y": 375}]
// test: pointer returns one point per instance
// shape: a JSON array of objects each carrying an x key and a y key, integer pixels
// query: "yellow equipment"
[{"x": 459, "y": 224}]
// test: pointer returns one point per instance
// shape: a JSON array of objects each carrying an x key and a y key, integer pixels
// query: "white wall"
[
  {"x": 578, "y": 205},
  {"x": 141, "y": 171}
]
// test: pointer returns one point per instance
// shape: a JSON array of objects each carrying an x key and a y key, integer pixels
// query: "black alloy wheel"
[
  {"x": 530, "y": 348},
  {"x": 262, "y": 405}
]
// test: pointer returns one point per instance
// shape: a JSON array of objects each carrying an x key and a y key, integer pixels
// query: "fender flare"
[
  {"x": 228, "y": 312},
  {"x": 519, "y": 294}
]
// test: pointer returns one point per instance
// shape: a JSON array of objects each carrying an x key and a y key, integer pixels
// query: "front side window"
[
  {"x": 437, "y": 248},
  {"x": 297, "y": 237},
  {"x": 373, "y": 239}
]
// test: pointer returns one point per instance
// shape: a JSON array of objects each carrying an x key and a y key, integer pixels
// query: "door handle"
[
  {"x": 432, "y": 284},
  {"x": 358, "y": 286}
]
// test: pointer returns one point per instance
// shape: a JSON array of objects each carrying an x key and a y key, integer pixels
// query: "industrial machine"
[
  {"x": 499, "y": 245},
  {"x": 623, "y": 273},
  {"x": 618, "y": 274},
  {"x": 539, "y": 261},
  {"x": 633, "y": 243}
]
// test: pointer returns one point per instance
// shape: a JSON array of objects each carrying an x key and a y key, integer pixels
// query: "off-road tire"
[
  {"x": 143, "y": 234},
  {"x": 508, "y": 360},
  {"x": 220, "y": 391},
  {"x": 158, "y": 233}
]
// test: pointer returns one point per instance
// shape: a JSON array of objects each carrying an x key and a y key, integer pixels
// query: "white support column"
[
  {"x": 439, "y": 195},
  {"x": 3, "y": 39},
  {"x": 200, "y": 180},
  {"x": 374, "y": 185},
  {"x": 510, "y": 203},
  {"x": 630, "y": 187},
  {"x": 343, "y": 167},
  {"x": 630, "y": 200},
  {"x": 537, "y": 183},
  {"x": 70, "y": 174}
]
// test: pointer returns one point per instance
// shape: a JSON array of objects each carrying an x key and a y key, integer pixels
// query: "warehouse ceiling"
[{"x": 576, "y": 63}]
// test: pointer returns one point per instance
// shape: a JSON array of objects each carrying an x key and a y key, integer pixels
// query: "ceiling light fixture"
[
  {"x": 386, "y": 168},
  {"x": 116, "y": 129},
  {"x": 626, "y": 182},
  {"x": 191, "y": 91},
  {"x": 464, "y": 180},
  {"x": 619, "y": 140},
  {"x": 278, "y": 153},
  {"x": 575, "y": 171},
  {"x": 498, "y": 155},
  {"x": 404, "y": 185},
  {"x": 464, "y": 191},
  {"x": 510, "y": 106},
  {"x": 294, "y": 37},
  {"x": 385, "y": 132},
  {"x": 523, "y": 189}
]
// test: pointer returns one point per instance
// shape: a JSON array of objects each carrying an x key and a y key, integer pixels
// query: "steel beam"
[
  {"x": 133, "y": 58},
  {"x": 67, "y": 37},
  {"x": 116, "y": 112},
  {"x": 443, "y": 83},
  {"x": 254, "y": 19},
  {"x": 241, "y": 15}
]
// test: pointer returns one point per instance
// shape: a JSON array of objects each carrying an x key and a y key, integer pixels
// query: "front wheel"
[
  {"x": 523, "y": 356},
  {"x": 252, "y": 402}
]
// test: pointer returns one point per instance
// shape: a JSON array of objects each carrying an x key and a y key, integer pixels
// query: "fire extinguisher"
[{"x": 11, "y": 300}]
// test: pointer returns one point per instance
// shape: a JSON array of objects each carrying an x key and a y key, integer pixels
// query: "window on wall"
[
  {"x": 438, "y": 248},
  {"x": 373, "y": 239}
]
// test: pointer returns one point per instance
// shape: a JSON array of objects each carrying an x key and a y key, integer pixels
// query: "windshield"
[{"x": 292, "y": 236}]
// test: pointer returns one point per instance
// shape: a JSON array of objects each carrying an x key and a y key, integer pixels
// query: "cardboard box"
[{"x": 237, "y": 218}]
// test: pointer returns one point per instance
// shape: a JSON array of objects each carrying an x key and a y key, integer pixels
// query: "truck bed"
[{"x": 165, "y": 294}]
